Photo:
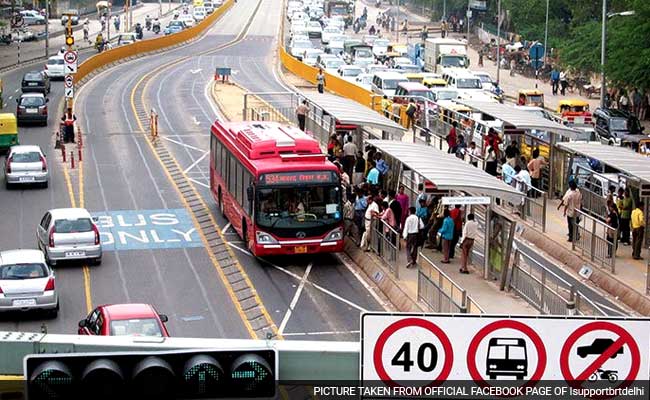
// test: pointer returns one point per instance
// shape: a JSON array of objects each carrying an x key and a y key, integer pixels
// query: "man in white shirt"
[
  {"x": 470, "y": 232},
  {"x": 523, "y": 180},
  {"x": 349, "y": 153},
  {"x": 371, "y": 211},
  {"x": 412, "y": 227}
]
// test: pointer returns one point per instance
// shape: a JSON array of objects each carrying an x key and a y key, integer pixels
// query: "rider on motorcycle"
[
  {"x": 99, "y": 42},
  {"x": 156, "y": 26},
  {"x": 138, "y": 31},
  {"x": 147, "y": 22}
]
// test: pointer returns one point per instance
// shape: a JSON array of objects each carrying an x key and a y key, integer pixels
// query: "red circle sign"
[
  {"x": 70, "y": 57},
  {"x": 506, "y": 324},
  {"x": 624, "y": 338},
  {"x": 407, "y": 323}
]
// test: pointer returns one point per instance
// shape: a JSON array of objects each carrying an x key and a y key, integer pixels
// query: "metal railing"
[
  {"x": 384, "y": 241},
  {"x": 532, "y": 207},
  {"x": 647, "y": 278},
  {"x": 440, "y": 293},
  {"x": 540, "y": 287},
  {"x": 595, "y": 239}
]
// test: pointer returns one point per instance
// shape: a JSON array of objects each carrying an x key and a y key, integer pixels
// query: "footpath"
[{"x": 33, "y": 51}]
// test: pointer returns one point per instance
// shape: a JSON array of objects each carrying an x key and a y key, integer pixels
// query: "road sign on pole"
[
  {"x": 536, "y": 51},
  {"x": 70, "y": 59},
  {"x": 69, "y": 93},
  {"x": 489, "y": 351},
  {"x": 68, "y": 81}
]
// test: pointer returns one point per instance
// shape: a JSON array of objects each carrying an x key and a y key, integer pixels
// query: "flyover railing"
[
  {"x": 385, "y": 242},
  {"x": 440, "y": 293},
  {"x": 595, "y": 240}
]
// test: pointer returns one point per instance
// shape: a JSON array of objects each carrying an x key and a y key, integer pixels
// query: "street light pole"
[
  {"x": 469, "y": 11},
  {"x": 498, "y": 40},
  {"x": 444, "y": 10},
  {"x": 47, "y": 28},
  {"x": 545, "y": 34},
  {"x": 603, "y": 44}
]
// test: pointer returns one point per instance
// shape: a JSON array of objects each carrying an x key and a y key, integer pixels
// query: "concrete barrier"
[{"x": 147, "y": 46}]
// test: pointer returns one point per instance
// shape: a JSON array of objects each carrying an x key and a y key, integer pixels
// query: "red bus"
[{"x": 276, "y": 187}]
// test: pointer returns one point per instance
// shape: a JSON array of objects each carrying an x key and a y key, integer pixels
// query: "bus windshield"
[{"x": 298, "y": 207}]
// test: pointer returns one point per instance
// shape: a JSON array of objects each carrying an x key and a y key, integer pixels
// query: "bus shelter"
[
  {"x": 597, "y": 167},
  {"x": 533, "y": 130},
  {"x": 448, "y": 176},
  {"x": 330, "y": 114}
]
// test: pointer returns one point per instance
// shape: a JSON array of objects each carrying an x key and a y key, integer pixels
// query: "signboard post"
[
  {"x": 536, "y": 54},
  {"x": 476, "y": 356}
]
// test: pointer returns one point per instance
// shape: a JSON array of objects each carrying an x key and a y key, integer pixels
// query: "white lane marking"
[
  {"x": 16, "y": 91},
  {"x": 298, "y": 277},
  {"x": 225, "y": 228},
  {"x": 196, "y": 121},
  {"x": 184, "y": 144},
  {"x": 615, "y": 311},
  {"x": 11, "y": 97},
  {"x": 199, "y": 182},
  {"x": 368, "y": 288},
  {"x": 320, "y": 333},
  {"x": 294, "y": 301},
  {"x": 196, "y": 71},
  {"x": 195, "y": 163},
  {"x": 216, "y": 112}
]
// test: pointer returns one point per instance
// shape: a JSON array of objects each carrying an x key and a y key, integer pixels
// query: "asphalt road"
[{"x": 120, "y": 176}]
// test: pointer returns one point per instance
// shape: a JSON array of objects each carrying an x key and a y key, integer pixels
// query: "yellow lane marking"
[
  {"x": 68, "y": 183},
  {"x": 11, "y": 377}
]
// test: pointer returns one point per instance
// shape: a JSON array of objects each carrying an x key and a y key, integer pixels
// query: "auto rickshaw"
[
  {"x": 644, "y": 147},
  {"x": 451, "y": 111},
  {"x": 416, "y": 77},
  {"x": 398, "y": 48},
  {"x": 8, "y": 131},
  {"x": 531, "y": 97},
  {"x": 574, "y": 111},
  {"x": 431, "y": 82}
]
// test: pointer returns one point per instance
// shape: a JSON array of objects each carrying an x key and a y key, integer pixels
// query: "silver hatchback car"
[
  {"x": 26, "y": 165},
  {"x": 26, "y": 282},
  {"x": 69, "y": 234}
]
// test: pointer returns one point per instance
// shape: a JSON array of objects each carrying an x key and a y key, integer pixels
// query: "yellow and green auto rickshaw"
[
  {"x": 531, "y": 97},
  {"x": 8, "y": 131}
]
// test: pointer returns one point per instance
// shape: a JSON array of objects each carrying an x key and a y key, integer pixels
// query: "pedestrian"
[
  {"x": 86, "y": 29},
  {"x": 643, "y": 109},
  {"x": 572, "y": 202},
  {"x": 349, "y": 152},
  {"x": 624, "y": 204},
  {"x": 491, "y": 163},
  {"x": 507, "y": 172},
  {"x": 480, "y": 57},
  {"x": 349, "y": 226},
  {"x": 473, "y": 154},
  {"x": 359, "y": 169},
  {"x": 636, "y": 102},
  {"x": 301, "y": 114},
  {"x": 456, "y": 215},
  {"x": 563, "y": 83},
  {"x": 411, "y": 109},
  {"x": 396, "y": 207},
  {"x": 470, "y": 233},
  {"x": 535, "y": 167},
  {"x": 320, "y": 80},
  {"x": 443, "y": 29},
  {"x": 623, "y": 102},
  {"x": 425, "y": 33},
  {"x": 638, "y": 228},
  {"x": 452, "y": 138},
  {"x": 422, "y": 211},
  {"x": 513, "y": 64},
  {"x": 523, "y": 180},
  {"x": 555, "y": 80},
  {"x": 371, "y": 212},
  {"x": 512, "y": 153},
  {"x": 421, "y": 194},
  {"x": 388, "y": 218},
  {"x": 68, "y": 119},
  {"x": 373, "y": 175},
  {"x": 360, "y": 204},
  {"x": 403, "y": 200},
  {"x": 612, "y": 223},
  {"x": 446, "y": 232},
  {"x": 116, "y": 22},
  {"x": 412, "y": 227},
  {"x": 461, "y": 146},
  {"x": 385, "y": 106}
]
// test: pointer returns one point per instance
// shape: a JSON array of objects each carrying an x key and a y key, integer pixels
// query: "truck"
[
  {"x": 415, "y": 53},
  {"x": 440, "y": 54},
  {"x": 340, "y": 8}
]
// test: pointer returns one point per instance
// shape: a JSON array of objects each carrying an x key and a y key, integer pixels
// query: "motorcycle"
[
  {"x": 156, "y": 26},
  {"x": 604, "y": 374}
]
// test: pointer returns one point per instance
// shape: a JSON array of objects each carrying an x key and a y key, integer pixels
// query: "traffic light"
[
  {"x": 176, "y": 374},
  {"x": 69, "y": 38}
]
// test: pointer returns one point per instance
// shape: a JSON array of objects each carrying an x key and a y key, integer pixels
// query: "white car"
[
  {"x": 331, "y": 64},
  {"x": 349, "y": 72},
  {"x": 32, "y": 17},
  {"x": 69, "y": 234},
  {"x": 299, "y": 15},
  {"x": 27, "y": 282},
  {"x": 298, "y": 48},
  {"x": 55, "y": 68},
  {"x": 310, "y": 56},
  {"x": 126, "y": 38},
  {"x": 26, "y": 165},
  {"x": 314, "y": 29},
  {"x": 364, "y": 80},
  {"x": 373, "y": 68},
  {"x": 328, "y": 32},
  {"x": 187, "y": 19},
  {"x": 298, "y": 24},
  {"x": 199, "y": 13},
  {"x": 380, "y": 47},
  {"x": 209, "y": 7}
]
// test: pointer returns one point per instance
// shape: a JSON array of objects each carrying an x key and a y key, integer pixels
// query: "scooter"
[
  {"x": 604, "y": 374},
  {"x": 156, "y": 26}
]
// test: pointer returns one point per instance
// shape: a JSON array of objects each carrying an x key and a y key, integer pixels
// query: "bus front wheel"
[{"x": 244, "y": 233}]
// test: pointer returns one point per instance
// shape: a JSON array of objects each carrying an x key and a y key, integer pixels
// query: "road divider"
[{"x": 148, "y": 46}]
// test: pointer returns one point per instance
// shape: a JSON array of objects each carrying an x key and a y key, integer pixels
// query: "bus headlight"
[
  {"x": 493, "y": 366},
  {"x": 264, "y": 238},
  {"x": 336, "y": 234},
  {"x": 520, "y": 367}
]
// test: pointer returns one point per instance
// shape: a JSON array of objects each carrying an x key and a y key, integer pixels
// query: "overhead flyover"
[
  {"x": 516, "y": 118},
  {"x": 349, "y": 112},
  {"x": 446, "y": 171}
]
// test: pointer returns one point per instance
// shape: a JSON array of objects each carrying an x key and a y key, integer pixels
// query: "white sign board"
[
  {"x": 485, "y": 351},
  {"x": 69, "y": 93},
  {"x": 70, "y": 59},
  {"x": 465, "y": 200},
  {"x": 68, "y": 81}
]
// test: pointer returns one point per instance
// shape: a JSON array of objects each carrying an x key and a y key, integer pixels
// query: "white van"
[
  {"x": 385, "y": 83},
  {"x": 468, "y": 85}
]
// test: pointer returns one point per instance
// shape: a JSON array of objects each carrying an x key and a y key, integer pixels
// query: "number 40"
[{"x": 403, "y": 357}]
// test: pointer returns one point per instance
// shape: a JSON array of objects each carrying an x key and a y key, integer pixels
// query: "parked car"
[
  {"x": 69, "y": 234},
  {"x": 32, "y": 17},
  {"x": 31, "y": 108},
  {"x": 26, "y": 282},
  {"x": 55, "y": 67},
  {"x": 619, "y": 127},
  {"x": 174, "y": 26},
  {"x": 35, "y": 81},
  {"x": 124, "y": 320},
  {"x": 74, "y": 18},
  {"x": 26, "y": 165}
]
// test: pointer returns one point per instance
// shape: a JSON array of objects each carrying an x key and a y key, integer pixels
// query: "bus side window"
[
  {"x": 240, "y": 184},
  {"x": 231, "y": 178},
  {"x": 217, "y": 152}
]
